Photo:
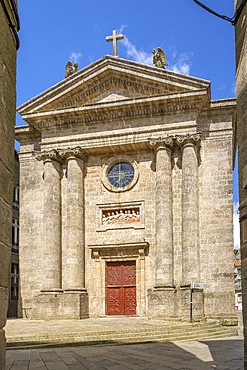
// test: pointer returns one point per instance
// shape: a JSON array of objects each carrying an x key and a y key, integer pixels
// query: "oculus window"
[{"x": 119, "y": 174}]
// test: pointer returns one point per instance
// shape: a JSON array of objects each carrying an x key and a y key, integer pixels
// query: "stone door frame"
[{"x": 123, "y": 252}]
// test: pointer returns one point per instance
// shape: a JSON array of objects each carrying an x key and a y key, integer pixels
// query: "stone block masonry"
[{"x": 126, "y": 202}]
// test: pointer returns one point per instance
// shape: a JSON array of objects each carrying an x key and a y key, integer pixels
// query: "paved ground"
[{"x": 221, "y": 354}]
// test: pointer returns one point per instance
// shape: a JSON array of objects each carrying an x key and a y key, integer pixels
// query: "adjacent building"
[
  {"x": 126, "y": 196},
  {"x": 241, "y": 67},
  {"x": 14, "y": 262},
  {"x": 9, "y": 25}
]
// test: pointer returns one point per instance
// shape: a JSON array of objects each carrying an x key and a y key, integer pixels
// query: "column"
[
  {"x": 164, "y": 218},
  {"x": 51, "y": 251},
  {"x": 74, "y": 250},
  {"x": 190, "y": 223}
]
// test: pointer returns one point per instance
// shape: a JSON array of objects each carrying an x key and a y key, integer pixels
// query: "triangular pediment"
[{"x": 108, "y": 80}]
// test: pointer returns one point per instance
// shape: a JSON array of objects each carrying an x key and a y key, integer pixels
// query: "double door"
[{"x": 121, "y": 288}]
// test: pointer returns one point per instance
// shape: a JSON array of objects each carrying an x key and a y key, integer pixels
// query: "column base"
[
  {"x": 183, "y": 304},
  {"x": 67, "y": 305},
  {"x": 220, "y": 307},
  {"x": 161, "y": 302}
]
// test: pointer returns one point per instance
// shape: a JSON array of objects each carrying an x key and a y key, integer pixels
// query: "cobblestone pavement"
[{"x": 221, "y": 354}]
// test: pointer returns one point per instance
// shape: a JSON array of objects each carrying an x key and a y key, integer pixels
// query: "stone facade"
[
  {"x": 241, "y": 136},
  {"x": 126, "y": 196},
  {"x": 14, "y": 260},
  {"x": 8, "y": 15}
]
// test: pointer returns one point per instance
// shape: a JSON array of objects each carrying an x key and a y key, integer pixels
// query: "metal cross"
[{"x": 114, "y": 38}]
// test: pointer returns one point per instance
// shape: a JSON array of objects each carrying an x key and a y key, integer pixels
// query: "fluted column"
[
  {"x": 74, "y": 250},
  {"x": 51, "y": 251},
  {"x": 190, "y": 223},
  {"x": 164, "y": 219}
]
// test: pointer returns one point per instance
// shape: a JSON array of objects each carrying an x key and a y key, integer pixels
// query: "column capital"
[
  {"x": 69, "y": 153},
  {"x": 49, "y": 155},
  {"x": 161, "y": 143},
  {"x": 189, "y": 139}
]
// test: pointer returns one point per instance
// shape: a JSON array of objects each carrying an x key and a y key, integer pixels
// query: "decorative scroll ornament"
[
  {"x": 60, "y": 154},
  {"x": 49, "y": 155},
  {"x": 194, "y": 139},
  {"x": 158, "y": 142},
  {"x": 71, "y": 152}
]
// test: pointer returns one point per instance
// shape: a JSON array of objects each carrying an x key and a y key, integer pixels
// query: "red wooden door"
[{"x": 121, "y": 288}]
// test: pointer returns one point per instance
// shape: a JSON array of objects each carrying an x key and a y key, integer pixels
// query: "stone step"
[{"x": 48, "y": 339}]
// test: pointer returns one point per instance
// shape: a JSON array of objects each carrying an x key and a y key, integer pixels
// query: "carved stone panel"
[{"x": 124, "y": 215}]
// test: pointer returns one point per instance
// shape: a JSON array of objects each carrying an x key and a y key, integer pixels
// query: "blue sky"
[{"x": 54, "y": 31}]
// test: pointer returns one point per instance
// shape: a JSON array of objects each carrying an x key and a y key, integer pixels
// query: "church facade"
[{"x": 126, "y": 196}]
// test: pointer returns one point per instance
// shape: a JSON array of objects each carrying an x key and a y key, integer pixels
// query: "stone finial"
[
  {"x": 70, "y": 69},
  {"x": 159, "y": 58}
]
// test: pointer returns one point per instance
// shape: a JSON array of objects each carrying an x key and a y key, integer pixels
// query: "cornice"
[
  {"x": 109, "y": 66},
  {"x": 124, "y": 109}
]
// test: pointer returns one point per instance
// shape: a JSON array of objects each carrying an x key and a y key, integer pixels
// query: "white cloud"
[
  {"x": 122, "y": 28},
  {"x": 74, "y": 57},
  {"x": 133, "y": 52},
  {"x": 236, "y": 228},
  {"x": 137, "y": 55},
  {"x": 182, "y": 62},
  {"x": 233, "y": 88}
]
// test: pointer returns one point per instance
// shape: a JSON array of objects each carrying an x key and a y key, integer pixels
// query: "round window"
[{"x": 121, "y": 174}]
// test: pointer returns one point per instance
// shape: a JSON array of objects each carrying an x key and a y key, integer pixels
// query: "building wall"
[
  {"x": 241, "y": 67},
  {"x": 14, "y": 263},
  {"x": 7, "y": 122},
  {"x": 214, "y": 207}
]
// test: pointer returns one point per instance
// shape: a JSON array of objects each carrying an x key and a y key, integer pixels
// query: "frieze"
[
  {"x": 118, "y": 115},
  {"x": 117, "y": 82}
]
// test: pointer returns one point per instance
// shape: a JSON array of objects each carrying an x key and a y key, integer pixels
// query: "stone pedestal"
[
  {"x": 183, "y": 304},
  {"x": 219, "y": 307},
  {"x": 69, "y": 305},
  {"x": 161, "y": 303}
]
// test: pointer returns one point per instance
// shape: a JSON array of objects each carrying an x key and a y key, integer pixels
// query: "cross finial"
[{"x": 114, "y": 38}]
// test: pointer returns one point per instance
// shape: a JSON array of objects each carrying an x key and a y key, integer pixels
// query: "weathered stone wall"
[
  {"x": 241, "y": 67},
  {"x": 174, "y": 220},
  {"x": 13, "y": 306},
  {"x": 7, "y": 122}
]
